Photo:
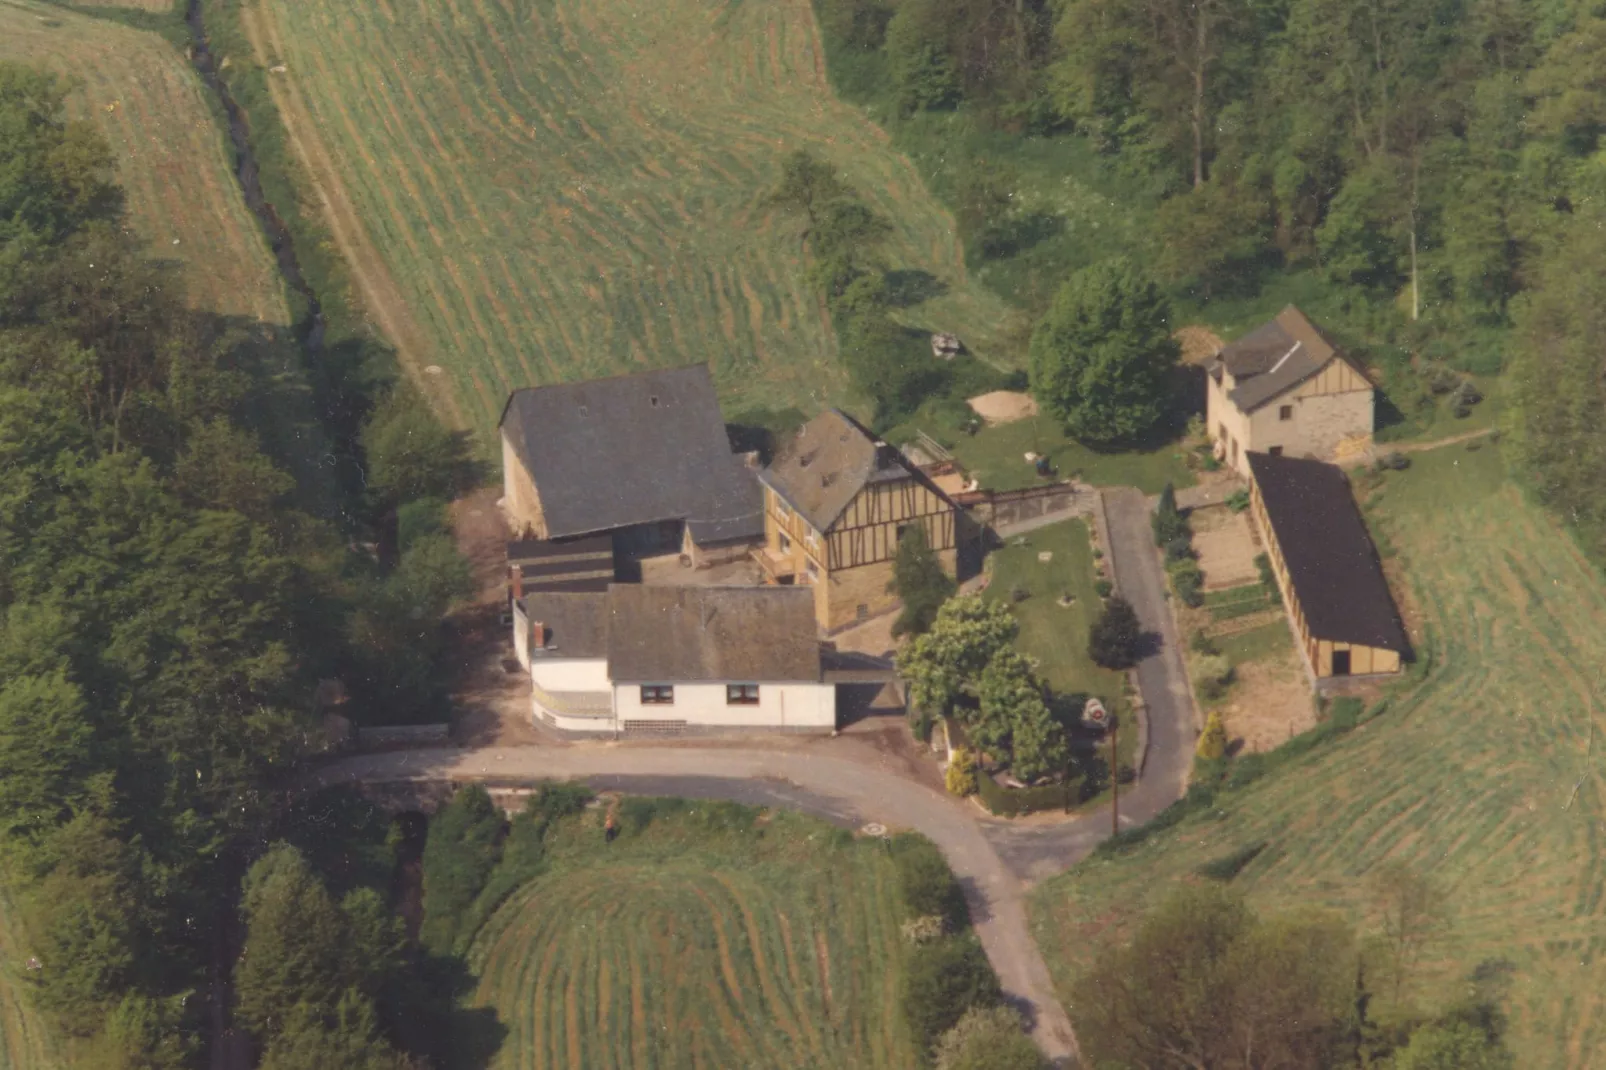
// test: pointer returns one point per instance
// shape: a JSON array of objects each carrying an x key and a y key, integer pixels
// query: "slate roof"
[
  {"x": 1332, "y": 564},
  {"x": 582, "y": 564},
  {"x": 1275, "y": 357},
  {"x": 576, "y": 624},
  {"x": 688, "y": 634},
  {"x": 633, "y": 449},
  {"x": 825, "y": 465}
]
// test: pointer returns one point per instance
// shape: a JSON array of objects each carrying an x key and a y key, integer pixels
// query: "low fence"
[
  {"x": 402, "y": 735},
  {"x": 1001, "y": 508}
]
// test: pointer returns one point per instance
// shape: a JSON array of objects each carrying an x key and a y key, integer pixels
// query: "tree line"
[{"x": 168, "y": 604}]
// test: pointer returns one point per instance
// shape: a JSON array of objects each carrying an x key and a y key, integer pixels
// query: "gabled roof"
[
  {"x": 828, "y": 462},
  {"x": 633, "y": 449},
  {"x": 687, "y": 634},
  {"x": 1331, "y": 561},
  {"x": 576, "y": 625},
  {"x": 1276, "y": 357}
]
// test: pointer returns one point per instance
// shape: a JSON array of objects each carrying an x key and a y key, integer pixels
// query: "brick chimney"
[{"x": 537, "y": 635}]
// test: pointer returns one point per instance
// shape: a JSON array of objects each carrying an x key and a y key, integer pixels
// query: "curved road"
[{"x": 991, "y": 858}]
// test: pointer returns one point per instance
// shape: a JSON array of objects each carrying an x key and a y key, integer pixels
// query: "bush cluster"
[{"x": 961, "y": 776}]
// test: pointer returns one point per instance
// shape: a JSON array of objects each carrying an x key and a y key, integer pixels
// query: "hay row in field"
[
  {"x": 1470, "y": 782},
  {"x": 652, "y": 959},
  {"x": 169, "y": 150},
  {"x": 572, "y": 190}
]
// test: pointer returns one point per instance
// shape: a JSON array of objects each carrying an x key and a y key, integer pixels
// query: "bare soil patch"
[
  {"x": 1003, "y": 406},
  {"x": 1269, "y": 703},
  {"x": 1198, "y": 343},
  {"x": 1226, "y": 547}
]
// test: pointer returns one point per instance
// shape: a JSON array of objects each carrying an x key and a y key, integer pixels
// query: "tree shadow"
[
  {"x": 430, "y": 1018},
  {"x": 907, "y": 287},
  {"x": 1148, "y": 645},
  {"x": 1387, "y": 414}
]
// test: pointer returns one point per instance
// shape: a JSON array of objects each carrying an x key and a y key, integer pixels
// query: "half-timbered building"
[
  {"x": 1285, "y": 389},
  {"x": 836, "y": 502}
]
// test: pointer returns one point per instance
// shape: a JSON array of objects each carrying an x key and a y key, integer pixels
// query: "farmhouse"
[
  {"x": 641, "y": 458},
  {"x": 1285, "y": 389},
  {"x": 1326, "y": 567},
  {"x": 662, "y": 660},
  {"x": 836, "y": 501}
]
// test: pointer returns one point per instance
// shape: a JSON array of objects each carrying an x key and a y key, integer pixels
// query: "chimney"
[
  {"x": 537, "y": 635},
  {"x": 516, "y": 578}
]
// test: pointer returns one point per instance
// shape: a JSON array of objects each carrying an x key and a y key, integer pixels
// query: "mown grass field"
[
  {"x": 530, "y": 193},
  {"x": 25, "y": 1043},
  {"x": 1470, "y": 780},
  {"x": 169, "y": 149},
  {"x": 713, "y": 937}
]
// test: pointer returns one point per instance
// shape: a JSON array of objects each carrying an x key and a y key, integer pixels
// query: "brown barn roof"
[
  {"x": 685, "y": 634},
  {"x": 633, "y": 449},
  {"x": 1331, "y": 561},
  {"x": 1275, "y": 357},
  {"x": 828, "y": 462}
]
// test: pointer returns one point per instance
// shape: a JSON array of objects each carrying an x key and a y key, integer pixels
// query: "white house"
[
  {"x": 1285, "y": 389},
  {"x": 662, "y": 660}
]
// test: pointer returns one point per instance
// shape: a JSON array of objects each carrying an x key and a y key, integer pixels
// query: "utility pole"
[{"x": 1115, "y": 780}]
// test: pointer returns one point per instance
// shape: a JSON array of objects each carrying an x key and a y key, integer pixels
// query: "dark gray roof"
[
  {"x": 635, "y": 449},
  {"x": 1275, "y": 357},
  {"x": 583, "y": 564},
  {"x": 576, "y": 624},
  {"x": 1331, "y": 561},
  {"x": 827, "y": 463},
  {"x": 685, "y": 634}
]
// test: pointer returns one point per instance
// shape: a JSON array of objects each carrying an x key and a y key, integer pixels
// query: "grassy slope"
[
  {"x": 704, "y": 940},
  {"x": 170, "y": 153},
  {"x": 25, "y": 1043},
  {"x": 573, "y": 189},
  {"x": 1469, "y": 780}
]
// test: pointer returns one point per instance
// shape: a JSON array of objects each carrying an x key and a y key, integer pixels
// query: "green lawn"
[
  {"x": 1469, "y": 777},
  {"x": 714, "y": 936},
  {"x": 1056, "y": 635},
  {"x": 997, "y": 457},
  {"x": 1267, "y": 640}
]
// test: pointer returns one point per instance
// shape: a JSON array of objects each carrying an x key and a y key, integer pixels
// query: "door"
[{"x": 1341, "y": 663}]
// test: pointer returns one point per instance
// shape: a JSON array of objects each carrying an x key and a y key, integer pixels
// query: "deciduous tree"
[
  {"x": 1101, "y": 356},
  {"x": 945, "y": 665},
  {"x": 919, "y": 581}
]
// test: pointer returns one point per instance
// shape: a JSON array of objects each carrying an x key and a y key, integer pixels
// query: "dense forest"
[
  {"x": 1422, "y": 176},
  {"x": 168, "y": 604}
]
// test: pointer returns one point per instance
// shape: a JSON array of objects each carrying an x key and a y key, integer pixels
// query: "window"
[
  {"x": 657, "y": 695},
  {"x": 1234, "y": 451},
  {"x": 813, "y": 571},
  {"x": 741, "y": 694},
  {"x": 781, "y": 510},
  {"x": 863, "y": 612},
  {"x": 1286, "y": 412},
  {"x": 1341, "y": 663},
  {"x": 1276, "y": 451},
  {"x": 1221, "y": 432},
  {"x": 811, "y": 540},
  {"x": 786, "y": 544}
]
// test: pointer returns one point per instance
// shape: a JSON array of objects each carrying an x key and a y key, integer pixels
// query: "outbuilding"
[{"x": 1327, "y": 568}]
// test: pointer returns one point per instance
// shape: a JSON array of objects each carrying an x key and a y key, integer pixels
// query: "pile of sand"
[
  {"x": 1199, "y": 344},
  {"x": 1003, "y": 406}
]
